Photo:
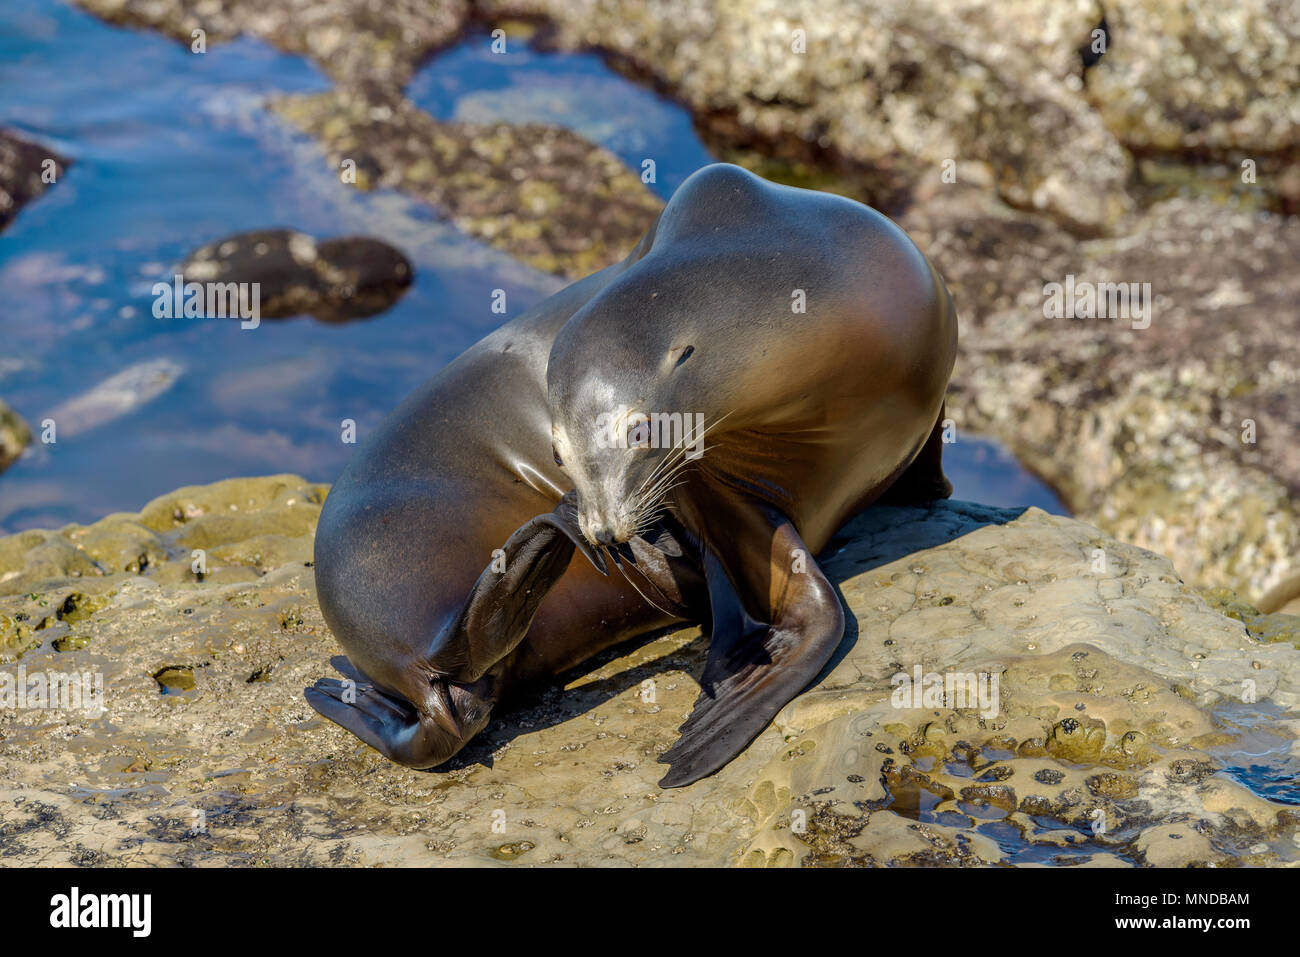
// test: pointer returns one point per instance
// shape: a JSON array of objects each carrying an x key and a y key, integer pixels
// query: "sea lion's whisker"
[
  {"x": 650, "y": 511},
  {"x": 668, "y": 476},
  {"x": 678, "y": 452}
]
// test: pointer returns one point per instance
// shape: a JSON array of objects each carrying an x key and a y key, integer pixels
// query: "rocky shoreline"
[
  {"x": 1112, "y": 687},
  {"x": 1125, "y": 684},
  {"x": 1119, "y": 166}
]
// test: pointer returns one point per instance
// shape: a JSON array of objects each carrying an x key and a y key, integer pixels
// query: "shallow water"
[
  {"x": 1260, "y": 757},
  {"x": 172, "y": 150},
  {"x": 470, "y": 83}
]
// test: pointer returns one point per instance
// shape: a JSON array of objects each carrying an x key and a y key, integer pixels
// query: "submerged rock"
[
  {"x": 120, "y": 394},
  {"x": 541, "y": 193},
  {"x": 14, "y": 436},
  {"x": 1107, "y": 746},
  {"x": 355, "y": 41},
  {"x": 334, "y": 280},
  {"x": 25, "y": 172}
]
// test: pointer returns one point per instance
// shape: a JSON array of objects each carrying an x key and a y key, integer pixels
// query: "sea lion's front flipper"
[
  {"x": 756, "y": 666},
  {"x": 506, "y": 596}
]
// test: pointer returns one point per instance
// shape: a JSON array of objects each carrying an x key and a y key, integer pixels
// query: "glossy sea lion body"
[
  {"x": 815, "y": 342},
  {"x": 411, "y": 530}
]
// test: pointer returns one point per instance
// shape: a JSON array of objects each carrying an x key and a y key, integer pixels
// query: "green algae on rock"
[
  {"x": 1276, "y": 626},
  {"x": 1101, "y": 745},
  {"x": 540, "y": 193}
]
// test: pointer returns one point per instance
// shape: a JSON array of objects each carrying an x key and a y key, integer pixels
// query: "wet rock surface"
[
  {"x": 1102, "y": 751},
  {"x": 334, "y": 280},
  {"x": 23, "y": 169}
]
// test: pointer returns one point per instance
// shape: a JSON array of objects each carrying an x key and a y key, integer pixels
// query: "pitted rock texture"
[
  {"x": 1105, "y": 747},
  {"x": 1183, "y": 436}
]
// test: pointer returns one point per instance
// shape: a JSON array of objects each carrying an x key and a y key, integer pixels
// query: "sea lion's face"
[{"x": 622, "y": 438}]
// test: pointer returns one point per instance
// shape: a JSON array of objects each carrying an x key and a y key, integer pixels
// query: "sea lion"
[
  {"x": 815, "y": 341},
  {"x": 431, "y": 558}
]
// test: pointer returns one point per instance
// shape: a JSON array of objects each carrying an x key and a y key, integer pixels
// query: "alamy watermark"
[
  {"x": 625, "y": 429},
  {"x": 952, "y": 689},
  {"x": 1102, "y": 300},
  {"x": 52, "y": 690},
  {"x": 208, "y": 300}
]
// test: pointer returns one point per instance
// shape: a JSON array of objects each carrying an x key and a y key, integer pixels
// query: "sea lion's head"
[{"x": 628, "y": 409}]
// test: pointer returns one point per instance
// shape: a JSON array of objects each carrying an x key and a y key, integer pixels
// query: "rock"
[
  {"x": 1276, "y": 622},
  {"x": 334, "y": 280},
  {"x": 575, "y": 210},
  {"x": 1203, "y": 78},
  {"x": 358, "y": 42},
  {"x": 118, "y": 395},
  {"x": 1105, "y": 734},
  {"x": 23, "y": 173},
  {"x": 889, "y": 91},
  {"x": 1284, "y": 597},
  {"x": 14, "y": 436},
  {"x": 1182, "y": 437}
]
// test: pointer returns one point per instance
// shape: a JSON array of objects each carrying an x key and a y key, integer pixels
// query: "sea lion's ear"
[{"x": 755, "y": 668}]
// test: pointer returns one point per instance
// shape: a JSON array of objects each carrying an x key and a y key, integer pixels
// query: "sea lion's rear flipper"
[
  {"x": 386, "y": 723},
  {"x": 395, "y": 727},
  {"x": 756, "y": 667}
]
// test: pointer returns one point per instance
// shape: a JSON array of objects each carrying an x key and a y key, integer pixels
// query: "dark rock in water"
[
  {"x": 14, "y": 436},
  {"x": 21, "y": 165},
  {"x": 336, "y": 280}
]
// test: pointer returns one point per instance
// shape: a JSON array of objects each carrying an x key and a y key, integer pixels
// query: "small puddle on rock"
[
  {"x": 983, "y": 470},
  {"x": 175, "y": 679},
  {"x": 1260, "y": 757}
]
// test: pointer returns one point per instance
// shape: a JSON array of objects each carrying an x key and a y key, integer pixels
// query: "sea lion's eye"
[
  {"x": 556, "y": 455},
  {"x": 638, "y": 431},
  {"x": 686, "y": 354}
]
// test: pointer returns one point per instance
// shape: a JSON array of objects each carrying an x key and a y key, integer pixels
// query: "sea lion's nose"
[{"x": 604, "y": 535}]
